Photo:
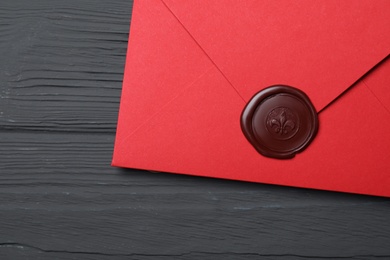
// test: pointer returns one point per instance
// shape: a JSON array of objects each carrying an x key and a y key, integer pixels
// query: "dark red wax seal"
[{"x": 279, "y": 121}]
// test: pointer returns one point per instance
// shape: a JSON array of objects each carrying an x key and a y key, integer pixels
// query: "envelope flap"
[
  {"x": 320, "y": 47},
  {"x": 149, "y": 66}
]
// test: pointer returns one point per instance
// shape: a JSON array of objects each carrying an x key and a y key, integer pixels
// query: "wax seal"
[{"x": 279, "y": 121}]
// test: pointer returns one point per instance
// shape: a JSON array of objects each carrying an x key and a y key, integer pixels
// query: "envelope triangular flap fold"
[
  {"x": 378, "y": 82},
  {"x": 154, "y": 63},
  {"x": 320, "y": 47},
  {"x": 195, "y": 134}
]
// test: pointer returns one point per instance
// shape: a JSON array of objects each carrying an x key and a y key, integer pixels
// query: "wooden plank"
[
  {"x": 62, "y": 63},
  {"x": 60, "y": 197}
]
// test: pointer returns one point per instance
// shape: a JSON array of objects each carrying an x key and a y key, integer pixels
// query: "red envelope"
[{"x": 192, "y": 66}]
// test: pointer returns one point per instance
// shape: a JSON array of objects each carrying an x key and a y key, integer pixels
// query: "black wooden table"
[{"x": 61, "y": 67}]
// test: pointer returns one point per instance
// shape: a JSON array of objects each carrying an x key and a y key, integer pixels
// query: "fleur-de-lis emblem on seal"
[{"x": 282, "y": 122}]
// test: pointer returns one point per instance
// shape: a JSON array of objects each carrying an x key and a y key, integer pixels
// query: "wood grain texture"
[
  {"x": 61, "y": 68},
  {"x": 62, "y": 63}
]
